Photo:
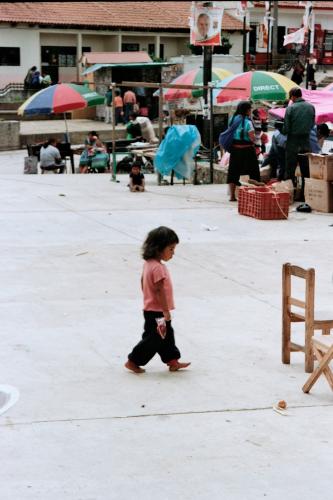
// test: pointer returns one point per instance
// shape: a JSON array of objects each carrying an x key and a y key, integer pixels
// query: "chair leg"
[
  {"x": 309, "y": 360},
  {"x": 286, "y": 329},
  {"x": 322, "y": 367},
  {"x": 326, "y": 331}
]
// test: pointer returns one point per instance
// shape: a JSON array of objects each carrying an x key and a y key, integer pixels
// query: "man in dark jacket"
[{"x": 298, "y": 122}]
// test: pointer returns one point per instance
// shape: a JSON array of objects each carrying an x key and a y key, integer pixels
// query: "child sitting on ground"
[{"x": 137, "y": 179}]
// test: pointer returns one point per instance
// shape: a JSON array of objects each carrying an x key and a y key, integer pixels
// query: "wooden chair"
[
  {"x": 323, "y": 351},
  {"x": 313, "y": 320}
]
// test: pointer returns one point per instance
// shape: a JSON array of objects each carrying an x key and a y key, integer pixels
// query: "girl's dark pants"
[{"x": 152, "y": 342}]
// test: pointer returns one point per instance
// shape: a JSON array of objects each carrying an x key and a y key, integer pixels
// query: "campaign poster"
[{"x": 206, "y": 24}]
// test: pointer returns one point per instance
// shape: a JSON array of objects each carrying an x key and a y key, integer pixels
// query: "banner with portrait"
[
  {"x": 263, "y": 36},
  {"x": 206, "y": 24}
]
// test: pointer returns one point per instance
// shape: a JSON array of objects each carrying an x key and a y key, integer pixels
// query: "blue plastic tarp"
[{"x": 177, "y": 150}]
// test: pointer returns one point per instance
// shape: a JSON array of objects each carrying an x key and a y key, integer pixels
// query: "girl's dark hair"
[
  {"x": 157, "y": 240},
  {"x": 243, "y": 108}
]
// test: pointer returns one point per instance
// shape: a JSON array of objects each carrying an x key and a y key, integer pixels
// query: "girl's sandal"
[
  {"x": 175, "y": 365},
  {"x": 133, "y": 367}
]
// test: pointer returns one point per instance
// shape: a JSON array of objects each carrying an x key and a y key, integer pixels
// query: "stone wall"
[
  {"x": 203, "y": 173},
  {"x": 9, "y": 135}
]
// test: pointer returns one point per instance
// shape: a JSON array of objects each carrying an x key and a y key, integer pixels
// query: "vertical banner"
[
  {"x": 263, "y": 36},
  {"x": 206, "y": 24},
  {"x": 267, "y": 14},
  {"x": 307, "y": 14},
  {"x": 265, "y": 27},
  {"x": 241, "y": 9}
]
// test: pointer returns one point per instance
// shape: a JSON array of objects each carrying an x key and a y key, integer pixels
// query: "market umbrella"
[
  {"x": 257, "y": 85},
  {"x": 328, "y": 88},
  {"x": 322, "y": 101},
  {"x": 192, "y": 77},
  {"x": 60, "y": 98}
]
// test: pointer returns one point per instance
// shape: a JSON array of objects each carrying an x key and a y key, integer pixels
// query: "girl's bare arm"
[{"x": 161, "y": 297}]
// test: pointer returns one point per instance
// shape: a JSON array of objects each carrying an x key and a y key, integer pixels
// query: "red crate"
[{"x": 263, "y": 203}]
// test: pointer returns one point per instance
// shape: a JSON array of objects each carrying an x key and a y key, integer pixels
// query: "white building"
[{"x": 54, "y": 37}]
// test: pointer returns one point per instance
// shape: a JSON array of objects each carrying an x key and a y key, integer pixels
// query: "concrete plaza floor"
[{"x": 84, "y": 428}]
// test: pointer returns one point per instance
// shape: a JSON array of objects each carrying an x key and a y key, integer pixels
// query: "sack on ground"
[
  {"x": 284, "y": 187},
  {"x": 31, "y": 165}
]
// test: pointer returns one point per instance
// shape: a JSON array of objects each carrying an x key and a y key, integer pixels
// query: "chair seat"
[{"x": 319, "y": 315}]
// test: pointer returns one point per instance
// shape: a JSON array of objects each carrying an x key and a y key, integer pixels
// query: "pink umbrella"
[
  {"x": 328, "y": 87},
  {"x": 322, "y": 101}
]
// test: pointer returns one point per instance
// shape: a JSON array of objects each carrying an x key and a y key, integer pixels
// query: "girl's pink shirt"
[{"x": 153, "y": 272}]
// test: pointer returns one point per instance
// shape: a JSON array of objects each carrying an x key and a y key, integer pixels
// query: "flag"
[
  {"x": 295, "y": 37},
  {"x": 241, "y": 9},
  {"x": 307, "y": 14},
  {"x": 267, "y": 16}
]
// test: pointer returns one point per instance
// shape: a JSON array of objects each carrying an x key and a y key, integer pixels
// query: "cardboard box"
[
  {"x": 321, "y": 167},
  {"x": 319, "y": 195}
]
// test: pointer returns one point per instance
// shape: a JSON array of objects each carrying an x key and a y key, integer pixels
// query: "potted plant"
[{"x": 196, "y": 50}]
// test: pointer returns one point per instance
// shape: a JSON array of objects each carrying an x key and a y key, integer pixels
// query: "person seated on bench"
[
  {"x": 94, "y": 157},
  {"x": 50, "y": 158},
  {"x": 133, "y": 127}
]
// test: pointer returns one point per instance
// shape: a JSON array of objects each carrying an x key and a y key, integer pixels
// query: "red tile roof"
[
  {"x": 166, "y": 16},
  {"x": 294, "y": 5},
  {"x": 115, "y": 57}
]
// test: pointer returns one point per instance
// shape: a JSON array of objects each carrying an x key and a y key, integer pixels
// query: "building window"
[
  {"x": 281, "y": 33},
  {"x": 60, "y": 56},
  {"x": 10, "y": 56},
  {"x": 253, "y": 39},
  {"x": 130, "y": 47},
  {"x": 151, "y": 50}
]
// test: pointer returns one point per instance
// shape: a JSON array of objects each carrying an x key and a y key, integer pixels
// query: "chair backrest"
[
  {"x": 64, "y": 148},
  {"x": 34, "y": 150},
  {"x": 307, "y": 304}
]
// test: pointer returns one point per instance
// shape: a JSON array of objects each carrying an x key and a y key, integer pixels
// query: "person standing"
[
  {"x": 298, "y": 122},
  {"x": 119, "y": 107},
  {"x": 129, "y": 101},
  {"x": 156, "y": 284},
  {"x": 298, "y": 72},
  {"x": 311, "y": 69},
  {"x": 46, "y": 80},
  {"x": 243, "y": 158},
  {"x": 108, "y": 105},
  {"x": 29, "y": 76}
]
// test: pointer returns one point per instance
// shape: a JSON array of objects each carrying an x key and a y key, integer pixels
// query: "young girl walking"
[{"x": 158, "y": 336}]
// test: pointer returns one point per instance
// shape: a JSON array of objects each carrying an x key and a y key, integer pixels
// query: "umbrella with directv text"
[
  {"x": 60, "y": 98},
  {"x": 192, "y": 77},
  {"x": 256, "y": 85}
]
